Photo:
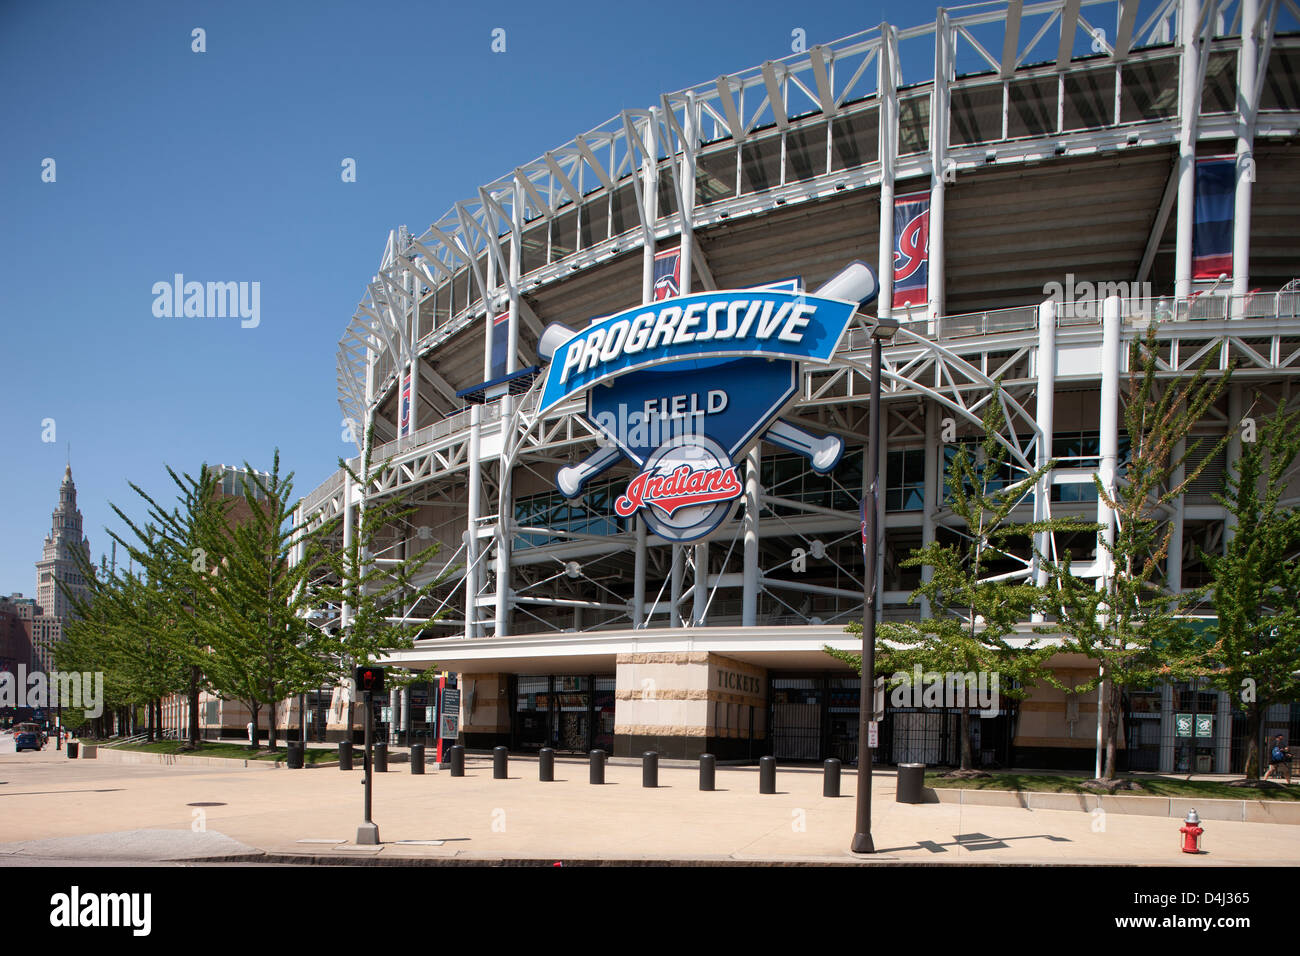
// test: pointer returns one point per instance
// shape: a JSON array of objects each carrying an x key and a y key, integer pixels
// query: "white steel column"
[
  {"x": 473, "y": 573},
  {"x": 516, "y": 240},
  {"x": 1108, "y": 427},
  {"x": 349, "y": 534},
  {"x": 888, "y": 89},
  {"x": 675, "y": 589},
  {"x": 939, "y": 112},
  {"x": 1174, "y": 562},
  {"x": 505, "y": 518},
  {"x": 1189, "y": 104},
  {"x": 1044, "y": 415},
  {"x": 638, "y": 576},
  {"x": 932, "y": 492},
  {"x": 753, "y": 502},
  {"x": 1247, "y": 64},
  {"x": 650, "y": 214},
  {"x": 411, "y": 282},
  {"x": 489, "y": 310},
  {"x": 1166, "y": 728},
  {"x": 1235, "y": 413},
  {"x": 687, "y": 179}
]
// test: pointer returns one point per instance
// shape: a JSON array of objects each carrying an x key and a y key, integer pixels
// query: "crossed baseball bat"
[{"x": 854, "y": 283}]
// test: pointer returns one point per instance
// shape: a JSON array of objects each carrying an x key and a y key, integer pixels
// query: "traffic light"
[{"x": 369, "y": 679}]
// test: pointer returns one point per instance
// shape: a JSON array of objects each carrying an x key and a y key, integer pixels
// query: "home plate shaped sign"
[{"x": 683, "y": 387}]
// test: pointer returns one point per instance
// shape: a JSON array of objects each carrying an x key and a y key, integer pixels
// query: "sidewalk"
[{"x": 312, "y": 815}]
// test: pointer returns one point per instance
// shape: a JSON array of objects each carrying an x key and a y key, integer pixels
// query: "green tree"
[
  {"x": 977, "y": 604},
  {"x": 1255, "y": 651},
  {"x": 261, "y": 646},
  {"x": 1125, "y": 618}
]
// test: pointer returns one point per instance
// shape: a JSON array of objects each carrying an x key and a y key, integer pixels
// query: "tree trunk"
[
  {"x": 194, "y": 708},
  {"x": 148, "y": 721},
  {"x": 1254, "y": 720},
  {"x": 966, "y": 761},
  {"x": 1111, "y": 737}
]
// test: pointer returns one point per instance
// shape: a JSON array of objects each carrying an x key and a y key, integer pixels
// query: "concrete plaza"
[{"x": 86, "y": 810}]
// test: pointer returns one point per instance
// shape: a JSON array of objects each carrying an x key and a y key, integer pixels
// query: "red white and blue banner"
[
  {"x": 689, "y": 384},
  {"x": 500, "y": 345},
  {"x": 1216, "y": 188},
  {"x": 668, "y": 274},
  {"x": 911, "y": 249}
]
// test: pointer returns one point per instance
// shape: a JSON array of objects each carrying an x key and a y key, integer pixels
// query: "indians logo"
[
  {"x": 685, "y": 489},
  {"x": 667, "y": 278}
]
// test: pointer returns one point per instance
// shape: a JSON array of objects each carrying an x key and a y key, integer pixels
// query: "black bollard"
[
  {"x": 500, "y": 762},
  {"x": 546, "y": 765},
  {"x": 767, "y": 775},
  {"x": 831, "y": 778},
  {"x": 708, "y": 768},
  {"x": 381, "y": 758},
  {"x": 650, "y": 769},
  {"x": 458, "y": 761},
  {"x": 345, "y": 755},
  {"x": 597, "y": 767},
  {"x": 417, "y": 758}
]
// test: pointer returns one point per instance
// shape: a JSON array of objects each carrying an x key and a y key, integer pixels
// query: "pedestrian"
[
  {"x": 251, "y": 739},
  {"x": 1279, "y": 756}
]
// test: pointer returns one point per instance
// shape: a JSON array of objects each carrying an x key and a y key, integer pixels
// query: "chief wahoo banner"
[
  {"x": 911, "y": 249},
  {"x": 668, "y": 274},
  {"x": 684, "y": 386}
]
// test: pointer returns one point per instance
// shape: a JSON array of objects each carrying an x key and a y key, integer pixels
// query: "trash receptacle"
[
  {"x": 911, "y": 782},
  {"x": 72, "y": 750},
  {"x": 295, "y": 756},
  {"x": 380, "y": 758},
  {"x": 345, "y": 755},
  {"x": 417, "y": 758}
]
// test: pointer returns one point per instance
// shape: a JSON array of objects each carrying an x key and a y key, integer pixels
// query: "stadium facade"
[{"x": 1034, "y": 183}]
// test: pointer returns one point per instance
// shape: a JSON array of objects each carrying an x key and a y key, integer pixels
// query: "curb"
[{"x": 1285, "y": 812}]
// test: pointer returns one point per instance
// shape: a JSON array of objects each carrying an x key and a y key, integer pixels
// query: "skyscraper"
[{"x": 58, "y": 563}]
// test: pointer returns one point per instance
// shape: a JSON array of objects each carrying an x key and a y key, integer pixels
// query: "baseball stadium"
[{"x": 1011, "y": 193}]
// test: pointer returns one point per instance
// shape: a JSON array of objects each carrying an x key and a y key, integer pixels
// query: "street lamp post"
[{"x": 882, "y": 328}]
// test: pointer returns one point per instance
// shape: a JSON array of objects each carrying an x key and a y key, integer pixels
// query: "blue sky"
[{"x": 224, "y": 166}]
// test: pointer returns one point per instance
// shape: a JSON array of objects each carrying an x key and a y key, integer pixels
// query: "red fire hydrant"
[{"x": 1191, "y": 831}]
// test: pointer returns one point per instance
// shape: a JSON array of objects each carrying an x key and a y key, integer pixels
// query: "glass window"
[
  {"x": 905, "y": 480},
  {"x": 1149, "y": 90},
  {"x": 462, "y": 282},
  {"x": 715, "y": 175},
  {"x": 805, "y": 153},
  {"x": 1031, "y": 107},
  {"x": 1219, "y": 93},
  {"x": 595, "y": 221},
  {"x": 533, "y": 248},
  {"x": 760, "y": 164},
  {"x": 1089, "y": 99},
  {"x": 855, "y": 139},
  {"x": 624, "y": 214},
  {"x": 914, "y": 124},
  {"x": 1282, "y": 81},
  {"x": 564, "y": 232},
  {"x": 667, "y": 194},
  {"x": 976, "y": 115}
]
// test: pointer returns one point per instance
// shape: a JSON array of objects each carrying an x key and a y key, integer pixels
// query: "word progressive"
[{"x": 721, "y": 320}]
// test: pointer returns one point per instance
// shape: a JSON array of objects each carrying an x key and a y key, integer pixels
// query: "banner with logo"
[
  {"x": 1216, "y": 189},
  {"x": 500, "y": 345},
  {"x": 404, "y": 425},
  {"x": 668, "y": 274},
  {"x": 689, "y": 383},
  {"x": 911, "y": 249}
]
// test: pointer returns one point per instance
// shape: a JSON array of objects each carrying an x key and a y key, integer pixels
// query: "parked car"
[{"x": 28, "y": 737}]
